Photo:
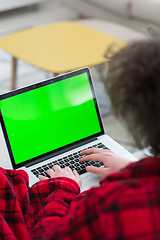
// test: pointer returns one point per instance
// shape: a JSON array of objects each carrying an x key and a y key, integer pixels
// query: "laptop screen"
[{"x": 50, "y": 115}]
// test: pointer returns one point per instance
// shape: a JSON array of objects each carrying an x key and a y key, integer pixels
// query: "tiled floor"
[{"x": 52, "y": 11}]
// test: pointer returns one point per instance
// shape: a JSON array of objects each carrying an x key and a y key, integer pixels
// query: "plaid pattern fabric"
[
  {"x": 14, "y": 204},
  {"x": 125, "y": 206}
]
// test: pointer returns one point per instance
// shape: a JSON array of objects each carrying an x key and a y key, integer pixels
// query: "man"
[{"x": 127, "y": 203}]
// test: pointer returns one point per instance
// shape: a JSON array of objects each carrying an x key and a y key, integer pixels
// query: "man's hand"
[
  {"x": 111, "y": 161},
  {"x": 56, "y": 171}
]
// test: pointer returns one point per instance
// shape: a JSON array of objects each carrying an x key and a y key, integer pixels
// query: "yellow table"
[{"x": 58, "y": 47}]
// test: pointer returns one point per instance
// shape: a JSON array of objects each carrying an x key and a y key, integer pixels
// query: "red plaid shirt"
[{"x": 125, "y": 206}]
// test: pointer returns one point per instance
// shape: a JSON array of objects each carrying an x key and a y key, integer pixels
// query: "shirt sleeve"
[
  {"x": 65, "y": 214},
  {"x": 52, "y": 197}
]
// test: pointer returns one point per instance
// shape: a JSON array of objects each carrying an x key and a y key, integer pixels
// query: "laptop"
[{"x": 51, "y": 122}]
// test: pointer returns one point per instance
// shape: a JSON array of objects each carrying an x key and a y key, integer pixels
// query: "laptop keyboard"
[{"x": 72, "y": 161}]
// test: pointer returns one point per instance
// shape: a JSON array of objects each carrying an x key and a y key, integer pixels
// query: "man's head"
[{"x": 133, "y": 83}]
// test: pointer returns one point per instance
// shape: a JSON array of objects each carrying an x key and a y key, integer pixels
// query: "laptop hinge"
[{"x": 60, "y": 151}]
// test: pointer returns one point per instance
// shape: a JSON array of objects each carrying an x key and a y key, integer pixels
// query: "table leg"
[
  {"x": 14, "y": 73},
  {"x": 55, "y": 74}
]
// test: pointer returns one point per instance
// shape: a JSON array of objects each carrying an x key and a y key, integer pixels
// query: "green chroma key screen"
[{"x": 49, "y": 117}]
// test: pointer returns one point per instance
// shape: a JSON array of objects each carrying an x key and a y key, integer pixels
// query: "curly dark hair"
[{"x": 133, "y": 84}]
